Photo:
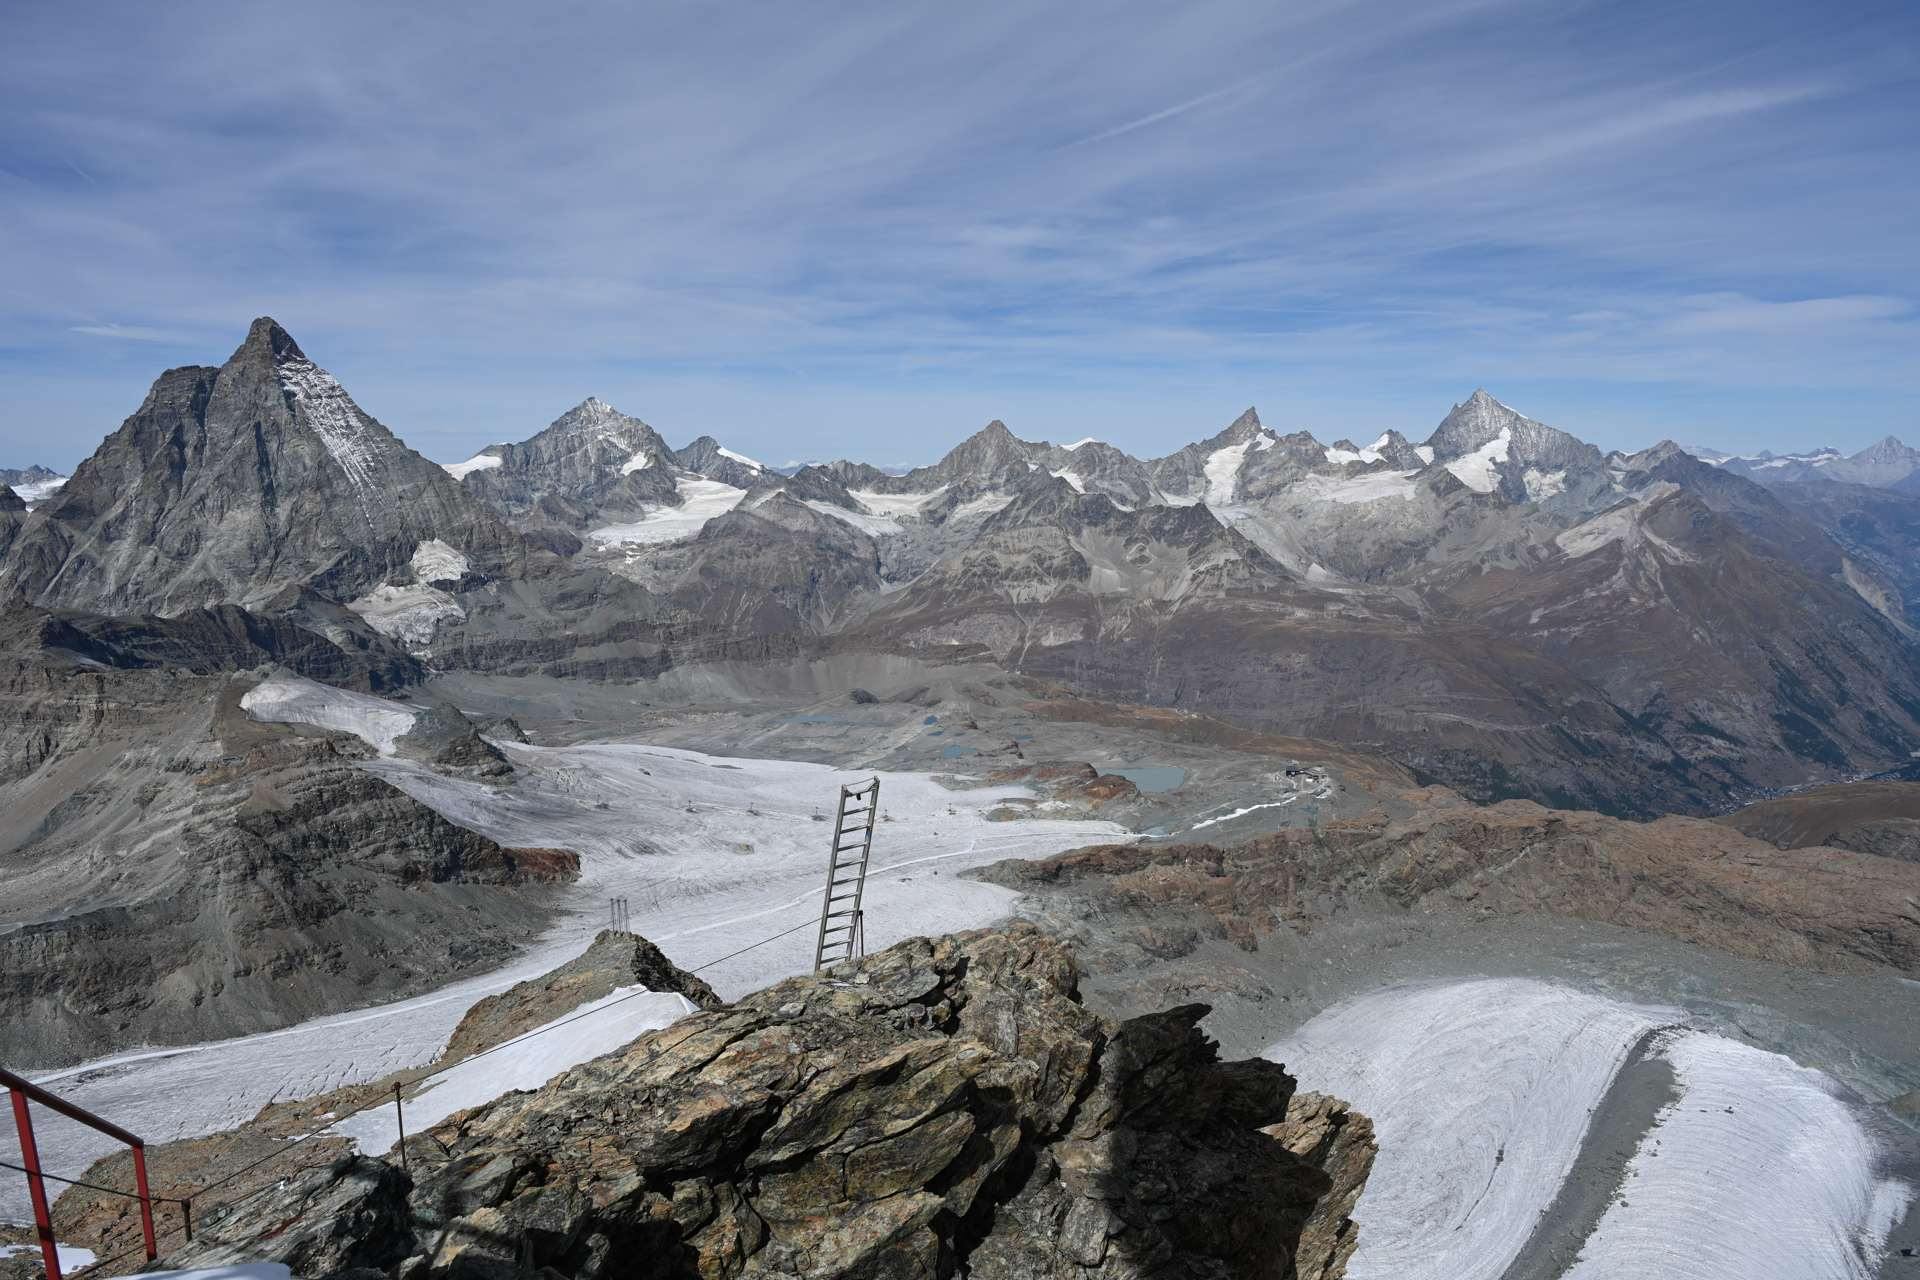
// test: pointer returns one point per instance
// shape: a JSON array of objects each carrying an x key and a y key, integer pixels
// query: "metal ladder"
[{"x": 842, "y": 935}]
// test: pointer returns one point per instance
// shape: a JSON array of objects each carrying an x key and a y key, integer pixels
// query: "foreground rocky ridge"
[{"x": 945, "y": 1107}]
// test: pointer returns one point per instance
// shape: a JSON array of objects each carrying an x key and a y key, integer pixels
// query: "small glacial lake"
[{"x": 1152, "y": 779}]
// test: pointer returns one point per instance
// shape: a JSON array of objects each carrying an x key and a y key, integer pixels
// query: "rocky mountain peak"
[
  {"x": 267, "y": 337},
  {"x": 231, "y": 484},
  {"x": 1242, "y": 429},
  {"x": 1472, "y": 424}
]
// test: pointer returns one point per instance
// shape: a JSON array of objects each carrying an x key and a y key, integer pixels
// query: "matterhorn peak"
[{"x": 266, "y": 335}]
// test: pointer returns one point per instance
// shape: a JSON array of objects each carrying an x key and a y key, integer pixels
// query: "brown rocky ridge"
[{"x": 1818, "y": 908}]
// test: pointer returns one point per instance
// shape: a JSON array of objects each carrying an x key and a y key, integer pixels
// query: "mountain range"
[{"x": 1500, "y": 606}]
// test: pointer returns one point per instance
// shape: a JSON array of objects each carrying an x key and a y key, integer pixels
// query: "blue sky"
[{"x": 863, "y": 230}]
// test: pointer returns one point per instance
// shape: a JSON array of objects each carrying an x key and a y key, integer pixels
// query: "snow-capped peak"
[
  {"x": 1085, "y": 440},
  {"x": 740, "y": 458}
]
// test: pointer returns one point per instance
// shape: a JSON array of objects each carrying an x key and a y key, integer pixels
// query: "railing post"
[
  {"x": 146, "y": 1199},
  {"x": 400, "y": 1122},
  {"x": 36, "y": 1185}
]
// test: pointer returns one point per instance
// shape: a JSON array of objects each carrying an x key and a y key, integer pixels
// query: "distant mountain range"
[
  {"x": 1889, "y": 464},
  {"x": 1500, "y": 606}
]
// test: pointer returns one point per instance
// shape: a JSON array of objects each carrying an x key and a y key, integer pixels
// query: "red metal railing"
[{"x": 23, "y": 1091}]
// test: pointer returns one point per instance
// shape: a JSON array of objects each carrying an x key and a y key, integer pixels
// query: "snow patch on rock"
[
  {"x": 1373, "y": 487},
  {"x": 409, "y": 614},
  {"x": 871, "y": 525},
  {"x": 349, "y": 436},
  {"x": 478, "y": 462},
  {"x": 1479, "y": 470},
  {"x": 895, "y": 504},
  {"x": 435, "y": 561},
  {"x": 1223, "y": 474},
  {"x": 1542, "y": 485},
  {"x": 35, "y": 492},
  {"x": 598, "y": 1027},
  {"x": 638, "y": 462},
  {"x": 297, "y": 700}
]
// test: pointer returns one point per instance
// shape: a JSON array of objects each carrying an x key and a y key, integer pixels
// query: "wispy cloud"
[
  {"x": 910, "y": 220},
  {"x": 127, "y": 332},
  {"x": 1168, "y": 113}
]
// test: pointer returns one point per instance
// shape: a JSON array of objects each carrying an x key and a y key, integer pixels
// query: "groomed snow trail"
[
  {"x": 1758, "y": 1172},
  {"x": 1481, "y": 1094},
  {"x": 713, "y": 854}
]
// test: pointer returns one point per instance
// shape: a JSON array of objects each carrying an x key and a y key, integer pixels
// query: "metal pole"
[
  {"x": 146, "y": 1200},
  {"x": 36, "y": 1185},
  {"x": 400, "y": 1118},
  {"x": 186, "y": 1216}
]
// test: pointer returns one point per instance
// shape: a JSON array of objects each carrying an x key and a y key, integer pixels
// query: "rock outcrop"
[
  {"x": 615, "y": 959},
  {"x": 946, "y": 1107},
  {"x": 178, "y": 872},
  {"x": 1826, "y": 909}
]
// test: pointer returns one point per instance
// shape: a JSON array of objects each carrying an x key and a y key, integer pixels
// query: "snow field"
[
  {"x": 536, "y": 1057},
  {"x": 895, "y": 504},
  {"x": 871, "y": 525},
  {"x": 700, "y": 501},
  {"x": 1758, "y": 1172},
  {"x": 1373, "y": 487},
  {"x": 1480, "y": 1094},
  {"x": 294, "y": 700}
]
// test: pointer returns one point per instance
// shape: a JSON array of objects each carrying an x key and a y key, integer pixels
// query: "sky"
[{"x": 864, "y": 230}]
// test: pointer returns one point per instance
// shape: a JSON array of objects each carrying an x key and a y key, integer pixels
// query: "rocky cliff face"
[
  {"x": 945, "y": 1108},
  {"x": 231, "y": 484},
  {"x": 177, "y": 872}
]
